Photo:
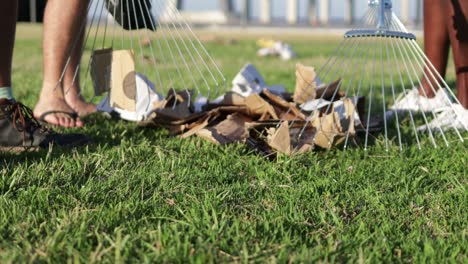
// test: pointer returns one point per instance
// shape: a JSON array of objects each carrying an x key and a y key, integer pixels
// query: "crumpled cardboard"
[
  {"x": 231, "y": 130},
  {"x": 258, "y": 106},
  {"x": 332, "y": 128}
]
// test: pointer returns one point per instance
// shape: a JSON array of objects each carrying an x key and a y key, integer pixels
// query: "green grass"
[{"x": 139, "y": 195}]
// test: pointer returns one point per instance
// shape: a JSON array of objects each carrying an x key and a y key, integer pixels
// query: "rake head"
[
  {"x": 371, "y": 92},
  {"x": 133, "y": 41}
]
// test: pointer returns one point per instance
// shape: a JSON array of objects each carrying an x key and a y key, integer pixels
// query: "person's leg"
[
  {"x": 436, "y": 43},
  {"x": 8, "y": 14},
  {"x": 62, "y": 23},
  {"x": 457, "y": 12},
  {"x": 71, "y": 81}
]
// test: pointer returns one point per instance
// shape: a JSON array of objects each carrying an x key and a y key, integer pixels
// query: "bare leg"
[
  {"x": 436, "y": 42},
  {"x": 71, "y": 82},
  {"x": 457, "y": 12},
  {"x": 62, "y": 21},
  {"x": 8, "y": 13}
]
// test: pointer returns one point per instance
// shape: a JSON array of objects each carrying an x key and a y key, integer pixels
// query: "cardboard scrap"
[
  {"x": 101, "y": 61},
  {"x": 114, "y": 71},
  {"x": 279, "y": 138},
  {"x": 231, "y": 130},
  {"x": 334, "y": 127},
  {"x": 305, "y": 84}
]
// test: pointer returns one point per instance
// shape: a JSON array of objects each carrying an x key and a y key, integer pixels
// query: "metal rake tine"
[
  {"x": 397, "y": 121},
  {"x": 114, "y": 12},
  {"x": 185, "y": 63},
  {"x": 141, "y": 47},
  {"x": 399, "y": 70},
  {"x": 163, "y": 56},
  {"x": 422, "y": 68},
  {"x": 191, "y": 54},
  {"x": 425, "y": 94},
  {"x": 84, "y": 46},
  {"x": 197, "y": 51},
  {"x": 205, "y": 51},
  {"x": 174, "y": 60},
  {"x": 436, "y": 75},
  {"x": 412, "y": 83},
  {"x": 328, "y": 71},
  {"x": 433, "y": 73},
  {"x": 359, "y": 87},
  {"x": 383, "y": 94},
  {"x": 171, "y": 56},
  {"x": 367, "y": 17},
  {"x": 192, "y": 58},
  {"x": 334, "y": 95},
  {"x": 156, "y": 64},
  {"x": 369, "y": 111}
]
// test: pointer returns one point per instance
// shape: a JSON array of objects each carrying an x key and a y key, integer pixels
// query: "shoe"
[
  {"x": 414, "y": 102},
  {"x": 20, "y": 131},
  {"x": 455, "y": 117},
  {"x": 132, "y": 14}
]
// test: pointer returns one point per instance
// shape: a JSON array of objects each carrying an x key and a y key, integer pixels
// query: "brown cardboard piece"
[
  {"x": 258, "y": 106},
  {"x": 333, "y": 128},
  {"x": 231, "y": 130},
  {"x": 305, "y": 84},
  {"x": 330, "y": 92},
  {"x": 287, "y": 110},
  {"x": 279, "y": 138},
  {"x": 101, "y": 61},
  {"x": 114, "y": 71}
]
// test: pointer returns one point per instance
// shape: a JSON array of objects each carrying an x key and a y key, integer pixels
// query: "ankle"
[{"x": 6, "y": 93}]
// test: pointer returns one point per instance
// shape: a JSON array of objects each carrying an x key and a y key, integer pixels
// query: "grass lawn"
[{"x": 139, "y": 195}]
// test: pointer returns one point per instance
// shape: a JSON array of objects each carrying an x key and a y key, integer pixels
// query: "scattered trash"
[
  {"x": 266, "y": 118},
  {"x": 275, "y": 48},
  {"x": 262, "y": 118}
]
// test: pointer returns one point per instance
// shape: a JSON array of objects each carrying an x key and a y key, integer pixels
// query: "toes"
[
  {"x": 52, "y": 119},
  {"x": 64, "y": 121},
  {"x": 79, "y": 123}
]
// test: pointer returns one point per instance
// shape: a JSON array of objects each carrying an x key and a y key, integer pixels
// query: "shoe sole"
[{"x": 19, "y": 149}]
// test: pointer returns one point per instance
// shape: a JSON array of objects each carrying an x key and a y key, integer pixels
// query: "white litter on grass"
[
  {"x": 313, "y": 105},
  {"x": 280, "y": 49},
  {"x": 199, "y": 103},
  {"x": 249, "y": 81},
  {"x": 448, "y": 118},
  {"x": 146, "y": 96}
]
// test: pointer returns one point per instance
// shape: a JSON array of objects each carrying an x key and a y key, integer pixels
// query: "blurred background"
[{"x": 273, "y": 13}]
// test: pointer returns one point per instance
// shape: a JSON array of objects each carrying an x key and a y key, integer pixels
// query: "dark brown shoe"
[{"x": 20, "y": 131}]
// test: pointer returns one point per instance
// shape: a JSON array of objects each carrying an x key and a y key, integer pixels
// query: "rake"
[
  {"x": 163, "y": 47},
  {"x": 374, "y": 63}
]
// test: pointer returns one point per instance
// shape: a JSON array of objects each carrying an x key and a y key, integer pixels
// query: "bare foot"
[
  {"x": 78, "y": 104},
  {"x": 57, "y": 119}
]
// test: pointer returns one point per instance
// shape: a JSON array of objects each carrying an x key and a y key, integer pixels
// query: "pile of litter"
[{"x": 265, "y": 118}]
